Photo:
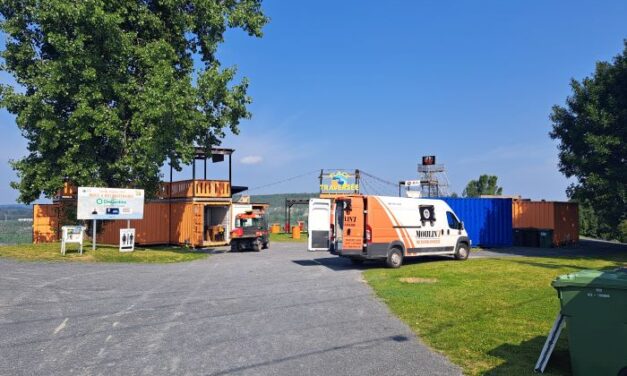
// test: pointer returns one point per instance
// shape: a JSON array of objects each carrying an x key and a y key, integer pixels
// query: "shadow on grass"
[
  {"x": 337, "y": 263},
  {"x": 586, "y": 248},
  {"x": 521, "y": 359}
]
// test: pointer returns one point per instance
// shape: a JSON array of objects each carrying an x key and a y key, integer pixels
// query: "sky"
[{"x": 374, "y": 86}]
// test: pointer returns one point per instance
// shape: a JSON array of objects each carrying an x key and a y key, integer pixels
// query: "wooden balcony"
[{"x": 195, "y": 188}]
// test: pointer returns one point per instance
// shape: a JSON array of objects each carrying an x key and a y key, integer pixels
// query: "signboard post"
[
  {"x": 109, "y": 203},
  {"x": 127, "y": 239}
]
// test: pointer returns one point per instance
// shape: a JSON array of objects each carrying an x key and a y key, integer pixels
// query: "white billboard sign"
[
  {"x": 110, "y": 203},
  {"x": 412, "y": 183}
]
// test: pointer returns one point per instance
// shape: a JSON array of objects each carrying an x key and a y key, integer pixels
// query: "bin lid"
[{"x": 616, "y": 279}]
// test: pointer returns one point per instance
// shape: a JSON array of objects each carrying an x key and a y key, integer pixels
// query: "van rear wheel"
[
  {"x": 395, "y": 258},
  {"x": 462, "y": 252}
]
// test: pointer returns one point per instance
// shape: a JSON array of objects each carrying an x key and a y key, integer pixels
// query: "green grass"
[
  {"x": 16, "y": 232},
  {"x": 103, "y": 253},
  {"x": 288, "y": 238},
  {"x": 490, "y": 316}
]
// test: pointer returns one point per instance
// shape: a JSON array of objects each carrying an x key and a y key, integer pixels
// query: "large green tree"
[
  {"x": 592, "y": 134},
  {"x": 109, "y": 90},
  {"x": 485, "y": 185}
]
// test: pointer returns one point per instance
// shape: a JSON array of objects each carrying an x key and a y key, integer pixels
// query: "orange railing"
[{"x": 195, "y": 188}]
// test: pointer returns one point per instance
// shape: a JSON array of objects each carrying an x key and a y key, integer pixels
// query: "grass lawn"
[
  {"x": 490, "y": 316},
  {"x": 103, "y": 253},
  {"x": 288, "y": 237}
]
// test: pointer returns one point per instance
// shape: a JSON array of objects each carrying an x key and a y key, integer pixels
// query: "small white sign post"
[
  {"x": 72, "y": 234},
  {"x": 127, "y": 239}
]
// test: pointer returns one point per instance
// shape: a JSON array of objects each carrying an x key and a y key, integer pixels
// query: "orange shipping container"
[
  {"x": 561, "y": 217},
  {"x": 45, "y": 223},
  {"x": 152, "y": 229}
]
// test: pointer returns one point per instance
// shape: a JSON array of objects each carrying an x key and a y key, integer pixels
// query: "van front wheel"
[
  {"x": 462, "y": 252},
  {"x": 395, "y": 258}
]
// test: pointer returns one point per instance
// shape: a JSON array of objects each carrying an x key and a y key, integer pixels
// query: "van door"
[
  {"x": 350, "y": 219},
  {"x": 452, "y": 231},
  {"x": 318, "y": 225}
]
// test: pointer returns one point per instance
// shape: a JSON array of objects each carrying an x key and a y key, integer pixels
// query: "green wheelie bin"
[{"x": 594, "y": 304}]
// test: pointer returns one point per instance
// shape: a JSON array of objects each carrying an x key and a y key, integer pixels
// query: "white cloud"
[{"x": 251, "y": 159}]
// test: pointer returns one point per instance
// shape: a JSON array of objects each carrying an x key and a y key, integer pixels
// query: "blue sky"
[{"x": 375, "y": 85}]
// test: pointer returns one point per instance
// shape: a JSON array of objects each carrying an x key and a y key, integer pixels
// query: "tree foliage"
[
  {"x": 108, "y": 90},
  {"x": 486, "y": 185},
  {"x": 592, "y": 134}
]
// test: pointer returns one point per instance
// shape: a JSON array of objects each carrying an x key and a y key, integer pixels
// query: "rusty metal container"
[
  {"x": 152, "y": 229},
  {"x": 566, "y": 230},
  {"x": 561, "y": 217}
]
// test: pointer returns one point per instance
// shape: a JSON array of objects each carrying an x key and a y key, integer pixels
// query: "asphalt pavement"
[{"x": 283, "y": 311}]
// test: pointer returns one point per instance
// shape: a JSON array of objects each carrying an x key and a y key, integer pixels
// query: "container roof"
[{"x": 200, "y": 152}]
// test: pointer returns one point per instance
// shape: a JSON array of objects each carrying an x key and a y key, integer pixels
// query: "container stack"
[
  {"x": 488, "y": 221},
  {"x": 545, "y": 224}
]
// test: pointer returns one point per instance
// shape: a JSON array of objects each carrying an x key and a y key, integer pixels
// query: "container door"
[
  {"x": 351, "y": 213},
  {"x": 318, "y": 225}
]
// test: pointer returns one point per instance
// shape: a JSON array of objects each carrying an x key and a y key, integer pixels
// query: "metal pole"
[
  {"x": 194, "y": 168},
  {"x": 230, "y": 171},
  {"x": 321, "y": 176},
  {"x": 205, "y": 167},
  {"x": 128, "y": 223},
  {"x": 93, "y": 237},
  {"x": 170, "y": 205}
]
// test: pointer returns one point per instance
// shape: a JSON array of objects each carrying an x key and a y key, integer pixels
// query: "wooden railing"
[{"x": 195, "y": 188}]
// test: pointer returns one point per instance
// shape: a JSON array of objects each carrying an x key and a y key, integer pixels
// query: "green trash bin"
[
  {"x": 545, "y": 238},
  {"x": 594, "y": 304}
]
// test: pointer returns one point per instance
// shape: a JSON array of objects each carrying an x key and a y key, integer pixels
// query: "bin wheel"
[
  {"x": 234, "y": 247},
  {"x": 622, "y": 372},
  {"x": 395, "y": 258},
  {"x": 265, "y": 245},
  {"x": 462, "y": 252},
  {"x": 257, "y": 245}
]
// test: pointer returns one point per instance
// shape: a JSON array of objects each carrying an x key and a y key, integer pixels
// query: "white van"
[{"x": 393, "y": 228}]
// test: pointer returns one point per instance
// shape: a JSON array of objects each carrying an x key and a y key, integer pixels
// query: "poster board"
[
  {"x": 127, "y": 239},
  {"x": 110, "y": 203}
]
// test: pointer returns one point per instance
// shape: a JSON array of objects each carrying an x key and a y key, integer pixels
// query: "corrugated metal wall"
[
  {"x": 152, "y": 229},
  {"x": 533, "y": 214},
  {"x": 45, "y": 223},
  {"x": 488, "y": 221},
  {"x": 566, "y": 223},
  {"x": 561, "y": 217}
]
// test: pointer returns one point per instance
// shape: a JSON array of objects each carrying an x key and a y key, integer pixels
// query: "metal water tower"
[{"x": 433, "y": 179}]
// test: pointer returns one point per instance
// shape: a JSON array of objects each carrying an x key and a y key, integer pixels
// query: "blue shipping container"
[{"x": 488, "y": 221}]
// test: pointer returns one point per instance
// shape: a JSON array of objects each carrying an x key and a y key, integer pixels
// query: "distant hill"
[
  {"x": 10, "y": 212},
  {"x": 276, "y": 212}
]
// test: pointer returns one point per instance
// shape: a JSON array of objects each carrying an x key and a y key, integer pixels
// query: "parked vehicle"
[
  {"x": 319, "y": 231},
  {"x": 250, "y": 232},
  {"x": 393, "y": 228}
]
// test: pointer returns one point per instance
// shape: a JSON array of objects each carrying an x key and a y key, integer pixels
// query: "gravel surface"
[{"x": 283, "y": 311}]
